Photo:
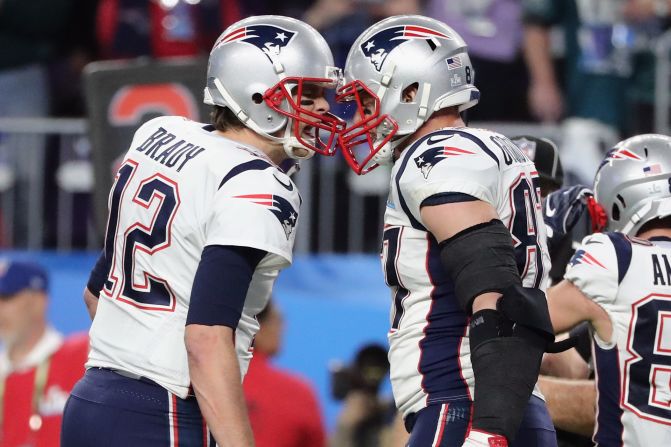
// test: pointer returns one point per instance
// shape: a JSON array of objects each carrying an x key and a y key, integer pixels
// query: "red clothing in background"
[
  {"x": 283, "y": 408},
  {"x": 65, "y": 368},
  {"x": 133, "y": 28}
]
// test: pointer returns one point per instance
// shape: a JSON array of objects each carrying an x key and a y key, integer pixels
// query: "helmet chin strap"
[
  {"x": 290, "y": 143},
  {"x": 385, "y": 156}
]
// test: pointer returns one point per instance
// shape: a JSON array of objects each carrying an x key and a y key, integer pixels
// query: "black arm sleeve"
[
  {"x": 584, "y": 342},
  {"x": 480, "y": 259},
  {"x": 98, "y": 275},
  {"x": 221, "y": 283}
]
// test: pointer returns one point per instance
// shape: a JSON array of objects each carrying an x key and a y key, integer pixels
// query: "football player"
[
  {"x": 464, "y": 250},
  {"x": 620, "y": 282},
  {"x": 201, "y": 221}
]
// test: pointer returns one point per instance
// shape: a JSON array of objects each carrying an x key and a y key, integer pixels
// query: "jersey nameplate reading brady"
[{"x": 158, "y": 147}]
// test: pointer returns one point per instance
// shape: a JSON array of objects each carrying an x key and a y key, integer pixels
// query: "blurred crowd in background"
[{"x": 584, "y": 66}]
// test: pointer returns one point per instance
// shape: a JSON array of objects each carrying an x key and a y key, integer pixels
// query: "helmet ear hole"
[
  {"x": 410, "y": 93},
  {"x": 257, "y": 98},
  {"x": 615, "y": 212}
]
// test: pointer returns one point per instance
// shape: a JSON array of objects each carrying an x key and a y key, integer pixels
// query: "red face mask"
[
  {"x": 325, "y": 126},
  {"x": 361, "y": 134}
]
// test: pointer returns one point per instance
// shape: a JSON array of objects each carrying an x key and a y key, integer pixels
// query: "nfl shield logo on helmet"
[
  {"x": 270, "y": 39},
  {"x": 378, "y": 46}
]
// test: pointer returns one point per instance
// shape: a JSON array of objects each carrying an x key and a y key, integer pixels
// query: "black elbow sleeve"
[{"x": 480, "y": 259}]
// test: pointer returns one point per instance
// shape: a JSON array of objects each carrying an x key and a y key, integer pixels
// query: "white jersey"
[
  {"x": 429, "y": 349},
  {"x": 181, "y": 188},
  {"x": 631, "y": 280}
]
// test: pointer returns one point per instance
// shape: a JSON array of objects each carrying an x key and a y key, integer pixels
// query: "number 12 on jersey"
[{"x": 142, "y": 222}]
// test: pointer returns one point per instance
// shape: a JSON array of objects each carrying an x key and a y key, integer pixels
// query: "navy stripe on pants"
[
  {"x": 446, "y": 425},
  {"x": 107, "y": 409}
]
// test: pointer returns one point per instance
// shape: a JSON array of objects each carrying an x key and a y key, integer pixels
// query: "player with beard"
[{"x": 464, "y": 250}]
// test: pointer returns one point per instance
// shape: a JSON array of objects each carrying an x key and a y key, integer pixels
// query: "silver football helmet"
[
  {"x": 633, "y": 182},
  {"x": 390, "y": 56},
  {"x": 256, "y": 69}
]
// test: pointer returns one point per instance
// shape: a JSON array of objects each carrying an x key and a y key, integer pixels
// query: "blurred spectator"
[
  {"x": 290, "y": 8},
  {"x": 366, "y": 419},
  {"x": 598, "y": 64},
  {"x": 76, "y": 47},
  {"x": 283, "y": 408},
  {"x": 162, "y": 28},
  {"x": 38, "y": 366},
  {"x": 341, "y": 22},
  {"x": 493, "y": 31},
  {"x": 650, "y": 19},
  {"x": 29, "y": 35}
]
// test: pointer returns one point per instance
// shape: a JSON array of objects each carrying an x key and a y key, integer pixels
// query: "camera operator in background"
[{"x": 366, "y": 417}]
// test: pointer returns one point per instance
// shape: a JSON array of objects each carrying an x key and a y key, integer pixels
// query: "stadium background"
[
  {"x": 323, "y": 324},
  {"x": 56, "y": 162}
]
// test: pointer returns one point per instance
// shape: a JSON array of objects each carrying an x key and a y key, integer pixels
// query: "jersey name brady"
[{"x": 180, "y": 188}]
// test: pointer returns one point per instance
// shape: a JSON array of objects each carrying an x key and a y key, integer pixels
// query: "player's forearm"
[
  {"x": 566, "y": 306},
  {"x": 567, "y": 364},
  {"x": 572, "y": 403},
  {"x": 538, "y": 55},
  {"x": 215, "y": 377}
]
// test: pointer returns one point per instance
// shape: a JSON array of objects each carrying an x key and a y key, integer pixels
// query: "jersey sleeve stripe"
[
  {"x": 447, "y": 197},
  {"x": 609, "y": 428},
  {"x": 252, "y": 165},
  {"x": 622, "y": 253},
  {"x": 414, "y": 222},
  {"x": 477, "y": 141}
]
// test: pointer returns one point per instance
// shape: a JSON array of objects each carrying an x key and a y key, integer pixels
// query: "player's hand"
[
  {"x": 545, "y": 102},
  {"x": 477, "y": 438},
  {"x": 562, "y": 209}
]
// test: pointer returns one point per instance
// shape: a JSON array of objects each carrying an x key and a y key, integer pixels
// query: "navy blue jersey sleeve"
[
  {"x": 447, "y": 197},
  {"x": 221, "y": 283},
  {"x": 98, "y": 275}
]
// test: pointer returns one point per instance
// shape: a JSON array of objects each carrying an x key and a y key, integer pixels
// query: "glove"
[
  {"x": 478, "y": 438},
  {"x": 562, "y": 210}
]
